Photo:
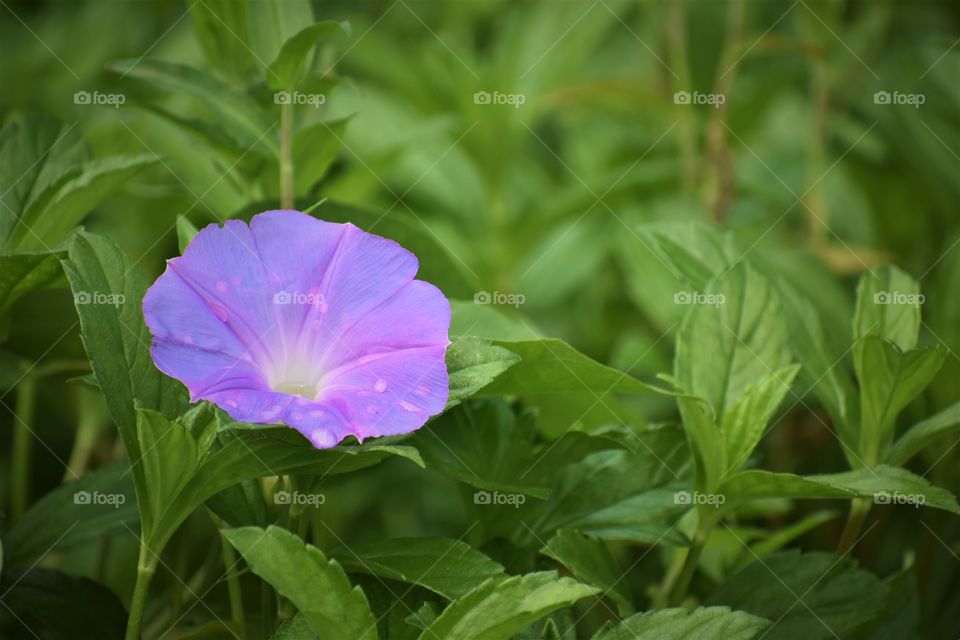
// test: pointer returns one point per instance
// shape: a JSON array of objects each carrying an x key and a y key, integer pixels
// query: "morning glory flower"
[{"x": 294, "y": 320}]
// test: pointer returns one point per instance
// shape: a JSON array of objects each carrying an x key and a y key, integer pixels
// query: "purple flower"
[{"x": 317, "y": 325}]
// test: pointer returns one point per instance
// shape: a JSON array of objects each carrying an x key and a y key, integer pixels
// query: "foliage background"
[{"x": 547, "y": 200}]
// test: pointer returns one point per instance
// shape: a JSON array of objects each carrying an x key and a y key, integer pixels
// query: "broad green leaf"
[
  {"x": 447, "y": 567},
  {"x": 923, "y": 433},
  {"x": 60, "y": 207},
  {"x": 75, "y": 512},
  {"x": 498, "y": 610},
  {"x": 592, "y": 563},
  {"x": 36, "y": 151},
  {"x": 107, "y": 290},
  {"x": 731, "y": 340},
  {"x": 240, "y": 117},
  {"x": 550, "y": 365},
  {"x": 702, "y": 623},
  {"x": 296, "y": 628},
  {"x": 695, "y": 252},
  {"x": 222, "y": 31},
  {"x": 888, "y": 305},
  {"x": 744, "y": 422},
  {"x": 273, "y": 22},
  {"x": 473, "y": 318},
  {"x": 472, "y": 363},
  {"x": 287, "y": 70},
  {"x": 316, "y": 586},
  {"x": 706, "y": 442},
  {"x": 42, "y": 603},
  {"x": 807, "y": 596},
  {"x": 882, "y": 483},
  {"x": 315, "y": 147},
  {"x": 889, "y": 380},
  {"x": 25, "y": 272}
]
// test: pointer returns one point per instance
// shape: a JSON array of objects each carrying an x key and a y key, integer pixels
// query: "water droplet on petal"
[
  {"x": 322, "y": 439},
  {"x": 235, "y": 280},
  {"x": 317, "y": 414},
  {"x": 373, "y": 409},
  {"x": 220, "y": 312},
  {"x": 381, "y": 385},
  {"x": 422, "y": 391},
  {"x": 222, "y": 286},
  {"x": 406, "y": 406},
  {"x": 232, "y": 404},
  {"x": 297, "y": 416}
]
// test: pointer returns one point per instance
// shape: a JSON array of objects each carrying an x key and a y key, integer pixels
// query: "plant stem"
[
  {"x": 22, "y": 446},
  {"x": 859, "y": 508},
  {"x": 286, "y": 156},
  {"x": 678, "y": 590},
  {"x": 146, "y": 567},
  {"x": 233, "y": 586}
]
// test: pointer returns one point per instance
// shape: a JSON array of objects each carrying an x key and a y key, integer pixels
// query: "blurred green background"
[{"x": 834, "y": 149}]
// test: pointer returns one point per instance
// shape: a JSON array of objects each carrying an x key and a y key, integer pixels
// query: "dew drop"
[
  {"x": 317, "y": 414},
  {"x": 373, "y": 409},
  {"x": 406, "y": 406},
  {"x": 222, "y": 286},
  {"x": 380, "y": 386},
  {"x": 220, "y": 312}
]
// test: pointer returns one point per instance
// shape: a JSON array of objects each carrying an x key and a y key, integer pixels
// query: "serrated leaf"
[
  {"x": 287, "y": 70},
  {"x": 808, "y": 596},
  {"x": 889, "y": 380},
  {"x": 695, "y": 252},
  {"x": 703, "y": 623},
  {"x": 447, "y": 567},
  {"x": 592, "y": 563},
  {"x": 744, "y": 422},
  {"x": 498, "y": 610},
  {"x": 888, "y": 305},
  {"x": 316, "y": 586},
  {"x": 472, "y": 363}
]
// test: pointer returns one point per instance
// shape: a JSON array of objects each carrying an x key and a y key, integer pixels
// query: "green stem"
[
  {"x": 146, "y": 567},
  {"x": 22, "y": 446},
  {"x": 286, "y": 156},
  {"x": 677, "y": 591},
  {"x": 233, "y": 586},
  {"x": 859, "y": 508}
]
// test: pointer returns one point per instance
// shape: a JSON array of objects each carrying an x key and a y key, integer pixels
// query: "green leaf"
[
  {"x": 185, "y": 232},
  {"x": 42, "y": 603},
  {"x": 470, "y": 318},
  {"x": 63, "y": 517},
  {"x": 221, "y": 29},
  {"x": 25, "y": 272},
  {"x": 724, "y": 347},
  {"x": 809, "y": 596},
  {"x": 702, "y": 623},
  {"x": 315, "y": 147},
  {"x": 116, "y": 338},
  {"x": 447, "y": 567},
  {"x": 923, "y": 433},
  {"x": 695, "y": 252},
  {"x": 889, "y": 380},
  {"x": 240, "y": 117},
  {"x": 550, "y": 365},
  {"x": 882, "y": 483},
  {"x": 498, "y": 610},
  {"x": 60, "y": 207},
  {"x": 36, "y": 151},
  {"x": 744, "y": 422},
  {"x": 472, "y": 363},
  {"x": 888, "y": 305},
  {"x": 316, "y": 586},
  {"x": 296, "y": 628},
  {"x": 287, "y": 70},
  {"x": 273, "y": 22},
  {"x": 592, "y": 563}
]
